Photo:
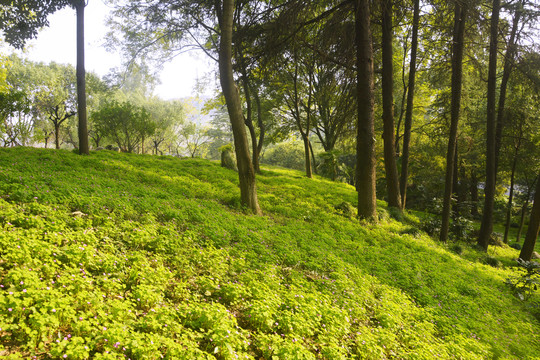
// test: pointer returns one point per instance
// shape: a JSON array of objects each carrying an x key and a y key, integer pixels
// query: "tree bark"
[
  {"x": 524, "y": 210},
  {"x": 486, "y": 227},
  {"x": 57, "y": 135},
  {"x": 365, "y": 141},
  {"x": 534, "y": 226},
  {"x": 508, "y": 65},
  {"x": 390, "y": 166},
  {"x": 410, "y": 103},
  {"x": 262, "y": 131},
  {"x": 249, "y": 116},
  {"x": 455, "y": 184},
  {"x": 460, "y": 13},
  {"x": 510, "y": 197},
  {"x": 474, "y": 194},
  {"x": 81, "y": 82},
  {"x": 522, "y": 218},
  {"x": 246, "y": 173}
]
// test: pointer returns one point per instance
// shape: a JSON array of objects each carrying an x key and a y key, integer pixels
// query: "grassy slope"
[{"x": 164, "y": 263}]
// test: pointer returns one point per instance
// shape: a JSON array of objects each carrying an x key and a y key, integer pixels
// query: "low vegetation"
[{"x": 116, "y": 256}]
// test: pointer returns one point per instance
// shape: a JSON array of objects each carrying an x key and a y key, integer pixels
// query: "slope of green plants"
[{"x": 116, "y": 256}]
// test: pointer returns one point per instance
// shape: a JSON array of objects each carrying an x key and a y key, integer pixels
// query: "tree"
[
  {"x": 194, "y": 137},
  {"x": 534, "y": 227},
  {"x": 392, "y": 182},
  {"x": 460, "y": 12},
  {"x": 246, "y": 172},
  {"x": 166, "y": 116},
  {"x": 16, "y": 124},
  {"x": 20, "y": 20},
  {"x": 125, "y": 123},
  {"x": 491, "y": 172},
  {"x": 165, "y": 27},
  {"x": 365, "y": 142},
  {"x": 294, "y": 89},
  {"x": 55, "y": 98},
  {"x": 410, "y": 102}
]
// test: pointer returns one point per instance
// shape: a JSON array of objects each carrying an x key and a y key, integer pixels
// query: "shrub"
[
  {"x": 492, "y": 261},
  {"x": 457, "y": 249},
  {"x": 432, "y": 226},
  {"x": 516, "y": 246},
  {"x": 527, "y": 283}
]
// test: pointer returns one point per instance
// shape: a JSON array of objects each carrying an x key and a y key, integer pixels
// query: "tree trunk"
[
  {"x": 410, "y": 103},
  {"x": 474, "y": 194},
  {"x": 534, "y": 226},
  {"x": 486, "y": 227},
  {"x": 57, "y": 135},
  {"x": 260, "y": 123},
  {"x": 457, "y": 73},
  {"x": 309, "y": 172},
  {"x": 246, "y": 173},
  {"x": 249, "y": 119},
  {"x": 81, "y": 82},
  {"x": 314, "y": 164},
  {"x": 365, "y": 141},
  {"x": 524, "y": 210},
  {"x": 508, "y": 65},
  {"x": 455, "y": 184},
  {"x": 522, "y": 219},
  {"x": 392, "y": 182},
  {"x": 510, "y": 197}
]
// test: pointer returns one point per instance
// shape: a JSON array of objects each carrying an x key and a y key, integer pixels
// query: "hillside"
[{"x": 117, "y": 256}]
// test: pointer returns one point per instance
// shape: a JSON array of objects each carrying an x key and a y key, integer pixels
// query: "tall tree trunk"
[
  {"x": 534, "y": 226},
  {"x": 522, "y": 218},
  {"x": 460, "y": 14},
  {"x": 486, "y": 227},
  {"x": 474, "y": 194},
  {"x": 455, "y": 184},
  {"x": 508, "y": 65},
  {"x": 510, "y": 197},
  {"x": 365, "y": 141},
  {"x": 314, "y": 163},
  {"x": 246, "y": 173},
  {"x": 392, "y": 182},
  {"x": 262, "y": 131},
  {"x": 524, "y": 210},
  {"x": 309, "y": 171},
  {"x": 410, "y": 103},
  {"x": 249, "y": 117},
  {"x": 461, "y": 189},
  {"x": 81, "y": 82}
]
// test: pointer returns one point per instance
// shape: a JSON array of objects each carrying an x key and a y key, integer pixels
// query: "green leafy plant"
[{"x": 528, "y": 282}]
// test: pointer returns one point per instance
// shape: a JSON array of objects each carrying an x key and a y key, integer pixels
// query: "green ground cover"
[{"x": 115, "y": 256}]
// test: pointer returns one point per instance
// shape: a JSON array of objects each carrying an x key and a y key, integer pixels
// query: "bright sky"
[{"x": 58, "y": 43}]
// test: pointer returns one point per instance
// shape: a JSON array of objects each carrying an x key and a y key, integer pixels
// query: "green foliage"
[
  {"x": 118, "y": 255},
  {"x": 528, "y": 281},
  {"x": 289, "y": 154},
  {"x": 125, "y": 123},
  {"x": 337, "y": 166}
]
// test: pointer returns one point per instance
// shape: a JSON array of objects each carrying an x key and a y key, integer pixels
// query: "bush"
[
  {"x": 432, "y": 226},
  {"x": 516, "y": 246},
  {"x": 491, "y": 261},
  {"x": 346, "y": 209},
  {"x": 457, "y": 249},
  {"x": 527, "y": 283},
  {"x": 461, "y": 228}
]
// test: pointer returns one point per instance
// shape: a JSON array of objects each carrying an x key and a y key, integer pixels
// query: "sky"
[{"x": 58, "y": 43}]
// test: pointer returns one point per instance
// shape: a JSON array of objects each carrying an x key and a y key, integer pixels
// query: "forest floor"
[{"x": 116, "y": 256}]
